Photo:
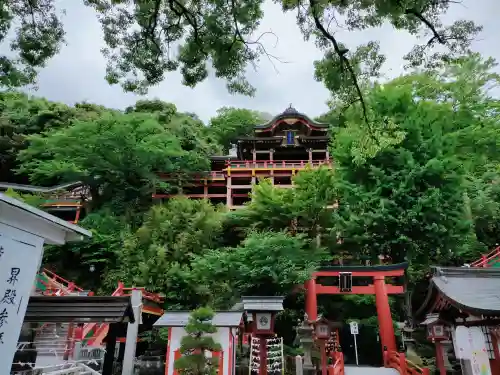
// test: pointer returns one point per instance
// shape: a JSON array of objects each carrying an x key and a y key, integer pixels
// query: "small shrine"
[
  {"x": 253, "y": 315},
  {"x": 462, "y": 316},
  {"x": 227, "y": 323}
]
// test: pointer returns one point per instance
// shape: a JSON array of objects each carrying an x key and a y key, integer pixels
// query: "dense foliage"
[{"x": 420, "y": 184}]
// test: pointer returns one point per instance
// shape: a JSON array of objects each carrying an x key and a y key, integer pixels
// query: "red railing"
[
  {"x": 399, "y": 362},
  {"x": 338, "y": 364},
  {"x": 100, "y": 329},
  {"x": 485, "y": 260},
  {"x": 275, "y": 164},
  {"x": 67, "y": 287}
]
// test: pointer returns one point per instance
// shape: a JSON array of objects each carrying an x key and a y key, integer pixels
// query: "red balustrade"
[
  {"x": 275, "y": 164},
  {"x": 399, "y": 362},
  {"x": 485, "y": 260},
  {"x": 337, "y": 368}
]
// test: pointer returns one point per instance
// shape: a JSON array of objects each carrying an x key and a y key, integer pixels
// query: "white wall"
[{"x": 222, "y": 336}]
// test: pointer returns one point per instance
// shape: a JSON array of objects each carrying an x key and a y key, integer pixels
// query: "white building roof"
[{"x": 9, "y": 206}]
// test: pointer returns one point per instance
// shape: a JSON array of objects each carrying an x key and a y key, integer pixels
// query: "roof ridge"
[{"x": 465, "y": 272}]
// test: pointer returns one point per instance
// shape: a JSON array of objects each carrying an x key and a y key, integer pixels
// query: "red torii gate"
[{"x": 378, "y": 287}]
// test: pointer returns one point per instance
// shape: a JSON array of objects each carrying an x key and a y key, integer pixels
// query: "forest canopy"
[{"x": 145, "y": 40}]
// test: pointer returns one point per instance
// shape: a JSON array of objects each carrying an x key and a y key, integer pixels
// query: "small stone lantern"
[
  {"x": 437, "y": 332},
  {"x": 305, "y": 332},
  {"x": 322, "y": 332},
  {"x": 262, "y": 313}
]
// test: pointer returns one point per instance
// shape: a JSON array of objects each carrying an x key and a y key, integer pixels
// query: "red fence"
[
  {"x": 338, "y": 364},
  {"x": 486, "y": 260},
  {"x": 275, "y": 164},
  {"x": 399, "y": 362}
]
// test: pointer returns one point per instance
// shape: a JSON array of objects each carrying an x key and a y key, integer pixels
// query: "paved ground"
[{"x": 361, "y": 370}]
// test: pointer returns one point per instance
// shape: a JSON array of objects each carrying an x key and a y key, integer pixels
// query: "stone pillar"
[
  {"x": 309, "y": 150},
  {"x": 305, "y": 333}
]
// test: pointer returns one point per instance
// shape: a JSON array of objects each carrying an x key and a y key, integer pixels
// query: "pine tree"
[{"x": 196, "y": 343}]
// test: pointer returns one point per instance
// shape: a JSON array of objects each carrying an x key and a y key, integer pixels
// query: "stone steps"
[{"x": 362, "y": 370}]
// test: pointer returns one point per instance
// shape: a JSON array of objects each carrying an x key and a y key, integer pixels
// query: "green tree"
[
  {"x": 232, "y": 123},
  {"x": 37, "y": 34},
  {"x": 305, "y": 208},
  {"x": 160, "y": 253},
  {"x": 224, "y": 35},
  {"x": 405, "y": 198},
  {"x": 118, "y": 156},
  {"x": 22, "y": 115},
  {"x": 266, "y": 263},
  {"x": 196, "y": 344}
]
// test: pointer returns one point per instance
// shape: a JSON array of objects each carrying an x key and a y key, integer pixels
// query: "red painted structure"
[
  {"x": 377, "y": 287},
  {"x": 492, "y": 259},
  {"x": 49, "y": 283},
  {"x": 276, "y": 150}
]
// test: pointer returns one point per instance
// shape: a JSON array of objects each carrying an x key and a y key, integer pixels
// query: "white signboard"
[
  {"x": 354, "y": 328},
  {"x": 18, "y": 268}
]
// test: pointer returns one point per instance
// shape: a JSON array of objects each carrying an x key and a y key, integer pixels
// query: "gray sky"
[{"x": 77, "y": 73}]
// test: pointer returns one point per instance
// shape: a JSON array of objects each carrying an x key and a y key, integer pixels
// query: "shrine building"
[
  {"x": 462, "y": 316},
  {"x": 276, "y": 150}
]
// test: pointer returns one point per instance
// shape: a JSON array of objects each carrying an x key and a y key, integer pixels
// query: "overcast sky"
[{"x": 76, "y": 74}]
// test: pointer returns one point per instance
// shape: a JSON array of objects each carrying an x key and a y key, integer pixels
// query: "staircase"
[
  {"x": 360, "y": 370},
  {"x": 69, "y": 369}
]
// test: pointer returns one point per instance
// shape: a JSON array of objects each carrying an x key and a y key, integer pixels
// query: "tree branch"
[{"x": 343, "y": 59}]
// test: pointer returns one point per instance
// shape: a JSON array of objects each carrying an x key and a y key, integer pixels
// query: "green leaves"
[
  {"x": 117, "y": 155},
  {"x": 232, "y": 123},
  {"x": 38, "y": 34},
  {"x": 196, "y": 343},
  {"x": 264, "y": 264}
]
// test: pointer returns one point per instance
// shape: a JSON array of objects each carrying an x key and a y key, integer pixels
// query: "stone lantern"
[
  {"x": 305, "y": 331},
  {"x": 261, "y": 311},
  {"x": 437, "y": 333},
  {"x": 322, "y": 332}
]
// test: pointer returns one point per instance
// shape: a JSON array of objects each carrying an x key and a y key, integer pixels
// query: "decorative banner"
[{"x": 479, "y": 357}]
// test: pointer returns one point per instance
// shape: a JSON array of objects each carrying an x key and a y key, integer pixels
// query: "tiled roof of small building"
[
  {"x": 180, "y": 319},
  {"x": 473, "y": 290},
  {"x": 291, "y": 112}
]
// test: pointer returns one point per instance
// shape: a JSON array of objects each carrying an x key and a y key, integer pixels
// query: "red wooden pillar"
[
  {"x": 262, "y": 355},
  {"x": 386, "y": 328},
  {"x": 495, "y": 363},
  {"x": 324, "y": 360},
  {"x": 440, "y": 358},
  {"x": 311, "y": 299}
]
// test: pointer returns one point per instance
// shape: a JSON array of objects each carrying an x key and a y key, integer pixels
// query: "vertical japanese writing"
[
  {"x": 2, "y": 251},
  {"x": 14, "y": 273},
  {"x": 8, "y": 299},
  {"x": 4, "y": 314}
]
